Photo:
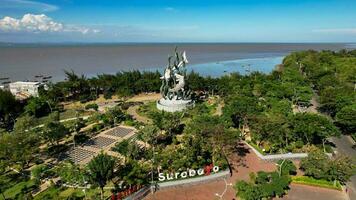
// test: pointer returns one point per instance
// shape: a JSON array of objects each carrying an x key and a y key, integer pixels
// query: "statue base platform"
[{"x": 174, "y": 105}]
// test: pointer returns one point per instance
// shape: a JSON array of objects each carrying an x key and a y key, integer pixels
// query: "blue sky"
[{"x": 178, "y": 21}]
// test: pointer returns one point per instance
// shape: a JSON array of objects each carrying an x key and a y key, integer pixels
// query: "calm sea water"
[{"x": 23, "y": 62}]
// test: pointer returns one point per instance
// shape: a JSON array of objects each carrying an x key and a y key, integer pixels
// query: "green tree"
[
  {"x": 287, "y": 167},
  {"x": 346, "y": 119},
  {"x": 135, "y": 173},
  {"x": 212, "y": 130},
  {"x": 9, "y": 108},
  {"x": 129, "y": 149},
  {"x": 316, "y": 164},
  {"x": 266, "y": 186},
  {"x": 149, "y": 134},
  {"x": 71, "y": 173},
  {"x": 38, "y": 172},
  {"x": 53, "y": 130},
  {"x": 313, "y": 128},
  {"x": 341, "y": 169},
  {"x": 114, "y": 116},
  {"x": 166, "y": 121},
  {"x": 101, "y": 170},
  {"x": 38, "y": 107},
  {"x": 24, "y": 123},
  {"x": 18, "y": 149}
]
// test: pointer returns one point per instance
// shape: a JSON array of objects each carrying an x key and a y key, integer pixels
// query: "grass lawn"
[
  {"x": 211, "y": 107},
  {"x": 17, "y": 188},
  {"x": 305, "y": 180},
  {"x": 146, "y": 109},
  {"x": 257, "y": 148},
  {"x": 64, "y": 115},
  {"x": 66, "y": 193}
]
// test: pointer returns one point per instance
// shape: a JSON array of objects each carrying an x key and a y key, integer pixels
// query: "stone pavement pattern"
[{"x": 103, "y": 141}]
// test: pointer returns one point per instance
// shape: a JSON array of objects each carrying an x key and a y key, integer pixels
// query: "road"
[{"x": 344, "y": 146}]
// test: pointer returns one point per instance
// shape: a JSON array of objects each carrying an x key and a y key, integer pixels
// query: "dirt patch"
[{"x": 144, "y": 97}]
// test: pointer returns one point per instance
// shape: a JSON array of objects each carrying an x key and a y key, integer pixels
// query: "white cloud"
[
  {"x": 26, "y": 4},
  {"x": 39, "y": 24},
  {"x": 170, "y": 9},
  {"x": 336, "y": 30}
]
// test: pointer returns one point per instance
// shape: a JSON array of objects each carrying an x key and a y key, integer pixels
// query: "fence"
[{"x": 292, "y": 156}]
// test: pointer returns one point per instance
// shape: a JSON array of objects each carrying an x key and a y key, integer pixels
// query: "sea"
[{"x": 25, "y": 62}]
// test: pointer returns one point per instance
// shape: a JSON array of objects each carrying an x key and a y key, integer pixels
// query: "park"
[{"x": 133, "y": 133}]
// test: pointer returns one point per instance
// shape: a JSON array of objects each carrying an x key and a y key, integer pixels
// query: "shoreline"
[
  {"x": 217, "y": 68},
  {"x": 23, "y": 63}
]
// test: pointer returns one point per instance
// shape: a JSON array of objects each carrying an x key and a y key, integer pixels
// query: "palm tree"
[{"x": 101, "y": 170}]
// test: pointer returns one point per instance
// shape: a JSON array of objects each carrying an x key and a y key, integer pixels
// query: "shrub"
[
  {"x": 93, "y": 106},
  {"x": 265, "y": 186},
  {"x": 316, "y": 182}
]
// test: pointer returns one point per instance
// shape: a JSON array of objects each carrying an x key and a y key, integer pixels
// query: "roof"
[{"x": 25, "y": 83}]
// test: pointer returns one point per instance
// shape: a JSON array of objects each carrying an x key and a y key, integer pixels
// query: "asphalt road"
[{"x": 344, "y": 146}]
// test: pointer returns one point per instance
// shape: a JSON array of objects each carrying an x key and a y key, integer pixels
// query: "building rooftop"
[{"x": 25, "y": 82}]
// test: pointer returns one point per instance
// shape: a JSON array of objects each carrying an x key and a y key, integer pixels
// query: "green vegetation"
[
  {"x": 15, "y": 186},
  {"x": 93, "y": 106},
  {"x": 101, "y": 169},
  {"x": 9, "y": 109},
  {"x": 257, "y": 148},
  {"x": 332, "y": 75},
  {"x": 318, "y": 165},
  {"x": 306, "y": 180}
]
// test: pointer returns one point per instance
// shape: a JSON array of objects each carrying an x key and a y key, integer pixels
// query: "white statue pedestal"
[{"x": 174, "y": 105}]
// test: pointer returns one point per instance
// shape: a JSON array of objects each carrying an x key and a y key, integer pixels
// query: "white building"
[{"x": 23, "y": 90}]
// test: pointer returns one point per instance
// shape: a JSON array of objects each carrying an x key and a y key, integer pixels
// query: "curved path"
[{"x": 133, "y": 112}]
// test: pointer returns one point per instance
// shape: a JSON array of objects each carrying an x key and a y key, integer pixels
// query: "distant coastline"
[{"x": 24, "y": 61}]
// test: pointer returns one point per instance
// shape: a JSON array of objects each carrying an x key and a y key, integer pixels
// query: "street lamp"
[
  {"x": 280, "y": 167},
  {"x": 222, "y": 195}
]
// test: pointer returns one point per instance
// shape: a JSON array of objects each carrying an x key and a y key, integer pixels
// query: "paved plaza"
[
  {"x": 104, "y": 141},
  {"x": 244, "y": 162},
  {"x": 119, "y": 132}
]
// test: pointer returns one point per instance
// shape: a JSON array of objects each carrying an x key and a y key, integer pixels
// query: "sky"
[{"x": 177, "y": 21}]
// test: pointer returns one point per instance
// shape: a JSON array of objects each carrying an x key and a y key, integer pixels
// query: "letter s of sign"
[{"x": 161, "y": 177}]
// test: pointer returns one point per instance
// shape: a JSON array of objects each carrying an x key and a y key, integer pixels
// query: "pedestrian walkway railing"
[{"x": 291, "y": 156}]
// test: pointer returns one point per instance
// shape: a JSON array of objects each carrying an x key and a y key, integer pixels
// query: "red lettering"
[{"x": 207, "y": 169}]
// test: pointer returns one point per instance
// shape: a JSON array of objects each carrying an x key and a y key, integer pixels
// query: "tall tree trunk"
[
  {"x": 324, "y": 145},
  {"x": 227, "y": 161},
  {"x": 102, "y": 193}
]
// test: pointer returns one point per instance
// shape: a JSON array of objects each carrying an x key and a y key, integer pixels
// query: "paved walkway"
[
  {"x": 219, "y": 108},
  {"x": 133, "y": 112},
  {"x": 67, "y": 120}
]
